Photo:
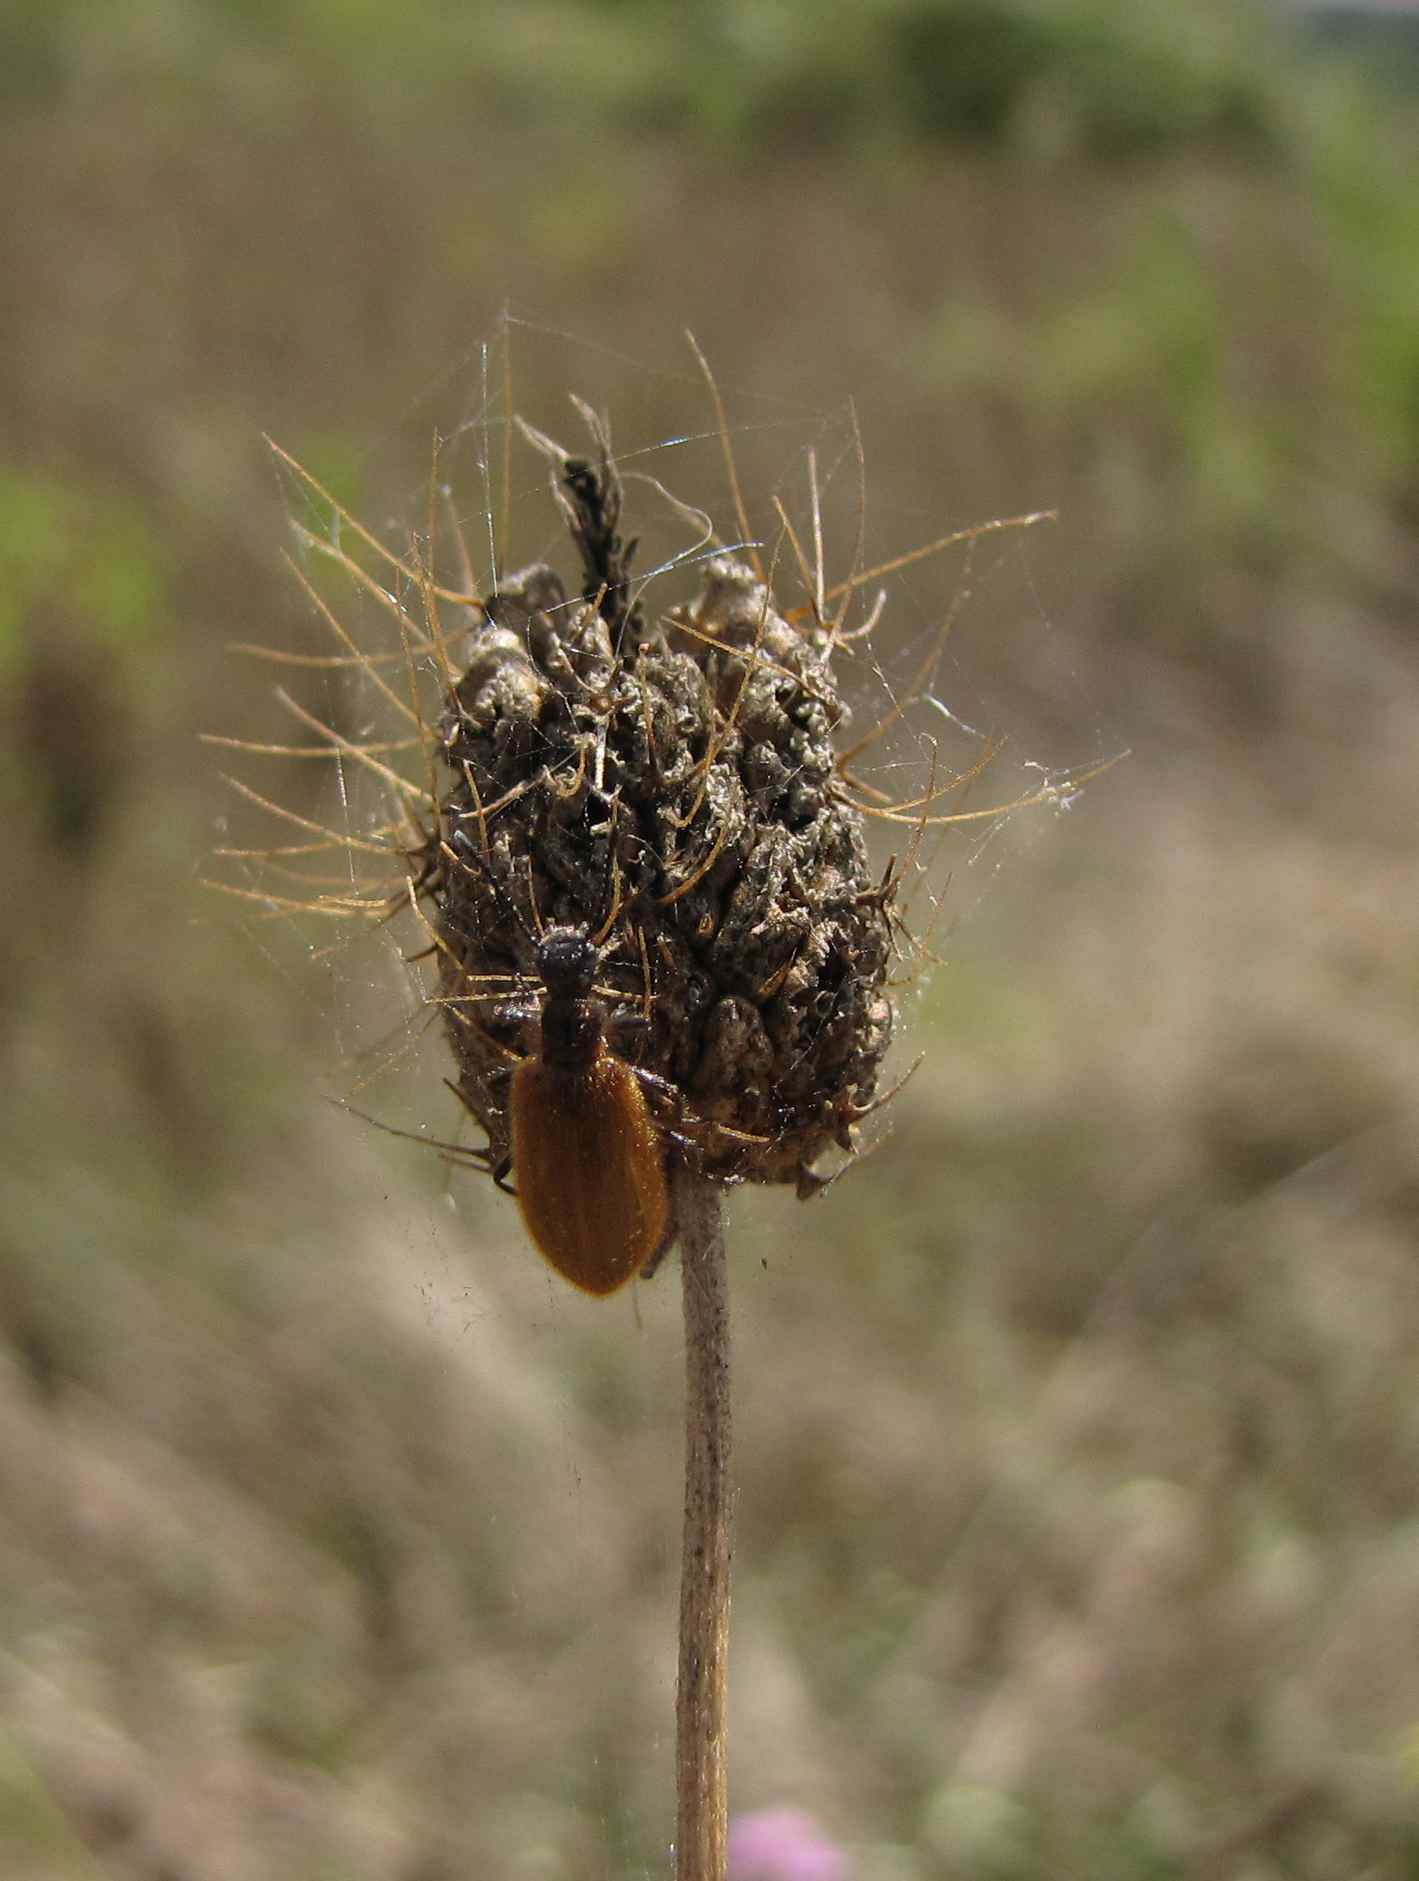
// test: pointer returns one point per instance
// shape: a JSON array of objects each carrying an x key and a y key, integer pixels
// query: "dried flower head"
[
  {"x": 669, "y": 785},
  {"x": 638, "y": 854}
]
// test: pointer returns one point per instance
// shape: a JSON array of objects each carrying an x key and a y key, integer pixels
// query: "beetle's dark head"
[{"x": 567, "y": 959}]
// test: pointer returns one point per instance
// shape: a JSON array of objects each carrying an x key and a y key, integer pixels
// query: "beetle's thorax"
[
  {"x": 573, "y": 1022},
  {"x": 572, "y": 1033}
]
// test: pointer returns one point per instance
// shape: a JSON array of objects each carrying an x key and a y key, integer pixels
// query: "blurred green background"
[{"x": 1078, "y": 1433}]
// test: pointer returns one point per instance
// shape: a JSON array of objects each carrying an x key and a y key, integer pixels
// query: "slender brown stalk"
[{"x": 701, "y": 1723}]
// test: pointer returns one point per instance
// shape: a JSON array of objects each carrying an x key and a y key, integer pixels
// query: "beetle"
[{"x": 589, "y": 1157}]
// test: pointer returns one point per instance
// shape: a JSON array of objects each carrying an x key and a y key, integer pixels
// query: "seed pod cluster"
[{"x": 668, "y": 784}]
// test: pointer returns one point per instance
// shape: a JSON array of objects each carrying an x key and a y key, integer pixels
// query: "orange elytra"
[{"x": 588, "y": 1157}]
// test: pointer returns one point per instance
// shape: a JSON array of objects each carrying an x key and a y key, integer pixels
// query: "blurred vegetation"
[{"x": 1077, "y": 1526}]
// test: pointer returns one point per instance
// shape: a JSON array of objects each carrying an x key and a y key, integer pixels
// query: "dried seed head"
[
  {"x": 670, "y": 786},
  {"x": 675, "y": 794}
]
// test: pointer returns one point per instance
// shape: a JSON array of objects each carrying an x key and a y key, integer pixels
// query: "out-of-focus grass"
[{"x": 1077, "y": 1426}]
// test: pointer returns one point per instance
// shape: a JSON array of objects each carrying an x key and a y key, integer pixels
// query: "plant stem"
[{"x": 701, "y": 1724}]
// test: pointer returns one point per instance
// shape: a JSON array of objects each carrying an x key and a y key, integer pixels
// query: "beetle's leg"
[
  {"x": 500, "y": 1174},
  {"x": 623, "y": 1024},
  {"x": 652, "y": 1266},
  {"x": 662, "y": 1088}
]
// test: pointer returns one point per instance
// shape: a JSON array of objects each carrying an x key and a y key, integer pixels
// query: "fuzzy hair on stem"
[{"x": 702, "y": 1691}]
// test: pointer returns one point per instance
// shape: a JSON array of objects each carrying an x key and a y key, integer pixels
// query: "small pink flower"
[{"x": 782, "y": 1845}]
